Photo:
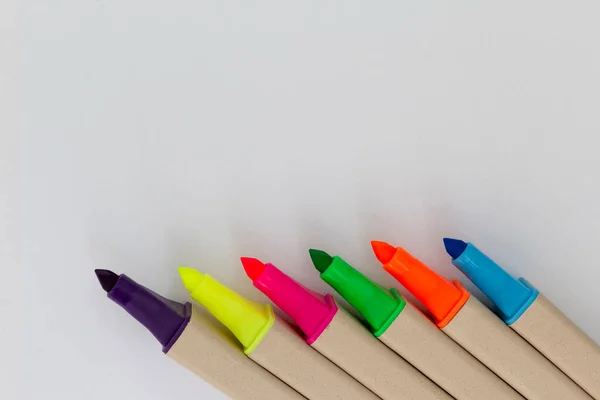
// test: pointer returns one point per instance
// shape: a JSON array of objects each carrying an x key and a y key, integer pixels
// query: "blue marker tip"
[{"x": 454, "y": 247}]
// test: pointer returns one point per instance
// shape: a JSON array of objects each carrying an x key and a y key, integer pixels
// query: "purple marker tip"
[
  {"x": 107, "y": 279},
  {"x": 164, "y": 318}
]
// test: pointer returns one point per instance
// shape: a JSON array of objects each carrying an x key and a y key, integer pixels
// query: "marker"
[
  {"x": 405, "y": 330},
  {"x": 341, "y": 338},
  {"x": 478, "y": 330},
  {"x": 272, "y": 343},
  {"x": 195, "y": 341},
  {"x": 532, "y": 316}
]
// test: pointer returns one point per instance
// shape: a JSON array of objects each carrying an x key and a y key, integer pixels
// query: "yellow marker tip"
[{"x": 191, "y": 278}]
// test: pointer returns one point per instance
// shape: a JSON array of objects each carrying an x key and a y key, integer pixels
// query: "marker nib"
[
  {"x": 190, "y": 278},
  {"x": 383, "y": 251},
  {"x": 253, "y": 267},
  {"x": 107, "y": 279},
  {"x": 454, "y": 247},
  {"x": 320, "y": 259}
]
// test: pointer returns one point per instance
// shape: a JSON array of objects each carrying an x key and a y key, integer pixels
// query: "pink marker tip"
[{"x": 253, "y": 267}]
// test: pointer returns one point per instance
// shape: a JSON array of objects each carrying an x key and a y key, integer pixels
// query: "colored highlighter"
[
  {"x": 478, "y": 330},
  {"x": 337, "y": 335},
  {"x": 196, "y": 341},
  {"x": 409, "y": 333},
  {"x": 272, "y": 343},
  {"x": 532, "y": 316}
]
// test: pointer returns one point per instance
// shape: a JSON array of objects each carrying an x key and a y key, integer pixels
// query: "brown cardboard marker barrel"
[
  {"x": 285, "y": 354},
  {"x": 554, "y": 335},
  {"x": 211, "y": 352},
  {"x": 413, "y": 336},
  {"x": 410, "y": 334},
  {"x": 479, "y": 331},
  {"x": 493, "y": 343},
  {"x": 353, "y": 348}
]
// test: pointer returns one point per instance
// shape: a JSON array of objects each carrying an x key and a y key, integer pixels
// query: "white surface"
[
  {"x": 159, "y": 134},
  {"x": 11, "y": 307}
]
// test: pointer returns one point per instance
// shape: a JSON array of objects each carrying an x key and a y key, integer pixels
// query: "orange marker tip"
[
  {"x": 253, "y": 267},
  {"x": 383, "y": 251}
]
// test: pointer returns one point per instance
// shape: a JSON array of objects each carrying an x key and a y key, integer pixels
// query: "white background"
[{"x": 157, "y": 134}]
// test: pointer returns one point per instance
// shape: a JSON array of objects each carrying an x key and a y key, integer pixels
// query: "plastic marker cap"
[
  {"x": 311, "y": 311},
  {"x": 375, "y": 304},
  {"x": 511, "y": 296},
  {"x": 443, "y": 298},
  {"x": 164, "y": 318},
  {"x": 248, "y": 321}
]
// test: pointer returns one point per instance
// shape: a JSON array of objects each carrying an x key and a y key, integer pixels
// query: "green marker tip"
[{"x": 320, "y": 259}]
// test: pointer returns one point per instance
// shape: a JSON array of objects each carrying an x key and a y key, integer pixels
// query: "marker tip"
[
  {"x": 320, "y": 259},
  {"x": 190, "y": 278},
  {"x": 253, "y": 267},
  {"x": 107, "y": 279},
  {"x": 454, "y": 247},
  {"x": 383, "y": 251}
]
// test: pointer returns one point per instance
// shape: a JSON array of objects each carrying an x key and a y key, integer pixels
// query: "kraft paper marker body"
[
  {"x": 341, "y": 338},
  {"x": 196, "y": 341},
  {"x": 272, "y": 343},
  {"x": 478, "y": 330},
  {"x": 404, "y": 329},
  {"x": 532, "y": 316}
]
